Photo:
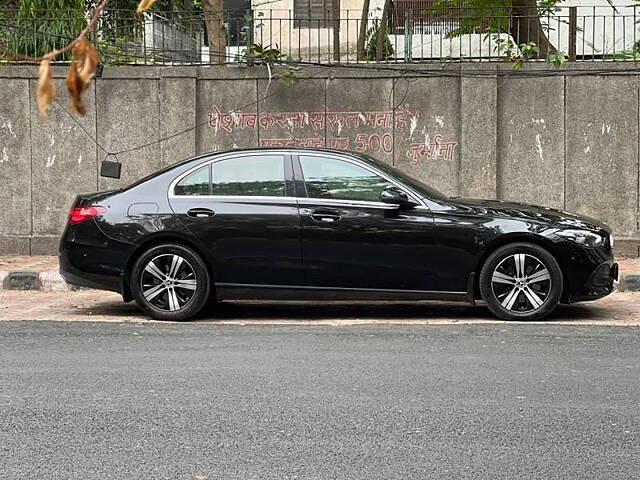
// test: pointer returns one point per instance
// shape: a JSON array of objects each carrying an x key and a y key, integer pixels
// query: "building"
[{"x": 304, "y": 30}]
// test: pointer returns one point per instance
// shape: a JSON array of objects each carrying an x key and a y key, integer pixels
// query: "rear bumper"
[
  {"x": 90, "y": 259},
  {"x": 79, "y": 278}
]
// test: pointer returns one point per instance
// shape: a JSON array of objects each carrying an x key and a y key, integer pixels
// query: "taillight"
[{"x": 80, "y": 214}]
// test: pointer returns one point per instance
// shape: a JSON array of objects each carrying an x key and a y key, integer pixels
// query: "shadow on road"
[
  {"x": 374, "y": 311},
  {"x": 337, "y": 311}
]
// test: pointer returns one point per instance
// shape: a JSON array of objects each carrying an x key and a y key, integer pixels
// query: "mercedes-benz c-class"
[{"x": 312, "y": 224}]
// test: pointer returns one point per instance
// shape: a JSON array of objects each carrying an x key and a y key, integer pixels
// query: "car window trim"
[
  {"x": 345, "y": 203},
  {"x": 231, "y": 156},
  {"x": 297, "y": 177},
  {"x": 240, "y": 198},
  {"x": 298, "y": 171}
]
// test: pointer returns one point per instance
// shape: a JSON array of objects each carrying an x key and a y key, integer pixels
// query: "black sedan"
[{"x": 299, "y": 224}]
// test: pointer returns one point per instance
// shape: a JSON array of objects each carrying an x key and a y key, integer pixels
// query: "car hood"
[{"x": 553, "y": 216}]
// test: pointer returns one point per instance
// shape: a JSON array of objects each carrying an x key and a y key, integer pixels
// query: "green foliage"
[
  {"x": 4, "y": 33},
  {"x": 44, "y": 25},
  {"x": 159, "y": 6},
  {"x": 475, "y": 16},
  {"x": 372, "y": 44},
  {"x": 483, "y": 16},
  {"x": 291, "y": 73},
  {"x": 516, "y": 54},
  {"x": 258, "y": 53},
  {"x": 120, "y": 23},
  {"x": 261, "y": 53},
  {"x": 556, "y": 59},
  {"x": 525, "y": 51},
  {"x": 529, "y": 50},
  {"x": 120, "y": 51},
  {"x": 632, "y": 54}
]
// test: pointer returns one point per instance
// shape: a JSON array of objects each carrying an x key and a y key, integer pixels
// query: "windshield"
[{"x": 420, "y": 187}]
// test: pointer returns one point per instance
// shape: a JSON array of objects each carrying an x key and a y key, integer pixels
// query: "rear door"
[{"x": 243, "y": 210}]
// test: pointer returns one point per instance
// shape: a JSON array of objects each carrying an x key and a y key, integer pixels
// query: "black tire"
[
  {"x": 166, "y": 295},
  {"x": 512, "y": 295}
]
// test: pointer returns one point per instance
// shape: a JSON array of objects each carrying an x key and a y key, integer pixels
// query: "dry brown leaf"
[
  {"x": 87, "y": 57},
  {"x": 46, "y": 89},
  {"x": 145, "y": 5},
  {"x": 81, "y": 72},
  {"x": 75, "y": 89}
]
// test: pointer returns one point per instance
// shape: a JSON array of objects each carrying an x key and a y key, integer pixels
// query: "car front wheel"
[
  {"x": 521, "y": 281},
  {"x": 170, "y": 282}
]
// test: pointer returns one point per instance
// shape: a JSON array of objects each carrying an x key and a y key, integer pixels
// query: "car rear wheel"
[
  {"x": 521, "y": 281},
  {"x": 170, "y": 282}
]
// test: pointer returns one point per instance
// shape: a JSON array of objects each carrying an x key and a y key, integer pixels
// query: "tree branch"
[{"x": 51, "y": 55}]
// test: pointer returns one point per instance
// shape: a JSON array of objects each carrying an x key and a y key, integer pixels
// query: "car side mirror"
[{"x": 395, "y": 196}]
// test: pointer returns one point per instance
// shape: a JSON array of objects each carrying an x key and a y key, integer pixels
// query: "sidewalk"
[
  {"x": 618, "y": 309},
  {"x": 41, "y": 273},
  {"x": 33, "y": 290}
]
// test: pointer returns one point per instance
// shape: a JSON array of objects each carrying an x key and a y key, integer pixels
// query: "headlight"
[
  {"x": 611, "y": 240},
  {"x": 583, "y": 237}
]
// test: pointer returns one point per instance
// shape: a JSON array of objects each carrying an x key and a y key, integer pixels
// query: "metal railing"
[{"x": 411, "y": 34}]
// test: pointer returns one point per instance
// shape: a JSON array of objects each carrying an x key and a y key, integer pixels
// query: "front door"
[
  {"x": 243, "y": 210},
  {"x": 350, "y": 239}
]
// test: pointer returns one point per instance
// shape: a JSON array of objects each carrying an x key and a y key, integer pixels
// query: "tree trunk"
[
  {"x": 335, "y": 19},
  {"x": 214, "y": 20},
  {"x": 525, "y": 26},
  {"x": 188, "y": 5},
  {"x": 362, "y": 34},
  {"x": 382, "y": 31}
]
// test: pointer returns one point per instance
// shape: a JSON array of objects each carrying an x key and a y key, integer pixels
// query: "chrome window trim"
[
  {"x": 239, "y": 198},
  {"x": 343, "y": 202},
  {"x": 334, "y": 155},
  {"x": 302, "y": 201}
]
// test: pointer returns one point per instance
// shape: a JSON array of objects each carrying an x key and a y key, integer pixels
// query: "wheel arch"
[
  {"x": 518, "y": 237},
  {"x": 158, "y": 239}
]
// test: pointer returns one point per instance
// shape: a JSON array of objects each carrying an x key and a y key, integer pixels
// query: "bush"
[
  {"x": 44, "y": 25},
  {"x": 372, "y": 44}
]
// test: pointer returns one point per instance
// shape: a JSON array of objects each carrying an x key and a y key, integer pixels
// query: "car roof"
[
  {"x": 333, "y": 151},
  {"x": 209, "y": 155},
  {"x": 280, "y": 149}
]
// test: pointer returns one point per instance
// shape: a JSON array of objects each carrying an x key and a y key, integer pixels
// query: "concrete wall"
[{"x": 566, "y": 141}]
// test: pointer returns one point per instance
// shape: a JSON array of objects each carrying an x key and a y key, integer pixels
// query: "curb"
[
  {"x": 629, "y": 283},
  {"x": 52, "y": 281}
]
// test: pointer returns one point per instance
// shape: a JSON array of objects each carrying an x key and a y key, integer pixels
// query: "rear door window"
[
  {"x": 196, "y": 183},
  {"x": 251, "y": 175}
]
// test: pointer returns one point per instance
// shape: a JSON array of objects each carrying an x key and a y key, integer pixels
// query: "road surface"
[{"x": 82, "y": 400}]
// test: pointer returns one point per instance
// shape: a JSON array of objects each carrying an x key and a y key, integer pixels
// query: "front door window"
[{"x": 333, "y": 178}]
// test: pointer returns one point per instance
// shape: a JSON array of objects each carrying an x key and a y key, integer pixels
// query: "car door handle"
[
  {"x": 325, "y": 216},
  {"x": 200, "y": 212}
]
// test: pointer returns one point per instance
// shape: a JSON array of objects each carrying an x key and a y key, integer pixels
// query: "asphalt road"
[{"x": 196, "y": 401}]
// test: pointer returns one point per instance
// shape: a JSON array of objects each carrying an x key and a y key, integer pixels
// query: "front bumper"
[{"x": 600, "y": 283}]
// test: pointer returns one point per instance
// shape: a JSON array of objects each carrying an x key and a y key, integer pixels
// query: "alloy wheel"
[
  {"x": 168, "y": 282},
  {"x": 521, "y": 283}
]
